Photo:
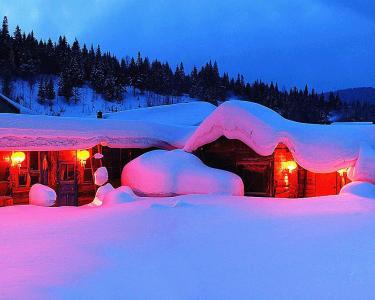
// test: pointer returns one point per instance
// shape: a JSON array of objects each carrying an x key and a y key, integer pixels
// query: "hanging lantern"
[
  {"x": 17, "y": 158},
  {"x": 83, "y": 155},
  {"x": 289, "y": 165},
  {"x": 342, "y": 172}
]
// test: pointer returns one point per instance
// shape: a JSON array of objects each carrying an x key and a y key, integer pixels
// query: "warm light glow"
[
  {"x": 342, "y": 172},
  {"x": 17, "y": 158},
  {"x": 83, "y": 155},
  {"x": 289, "y": 165}
]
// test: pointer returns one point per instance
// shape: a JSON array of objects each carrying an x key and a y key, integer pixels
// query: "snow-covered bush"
[
  {"x": 120, "y": 195},
  {"x": 361, "y": 189},
  {"x": 101, "y": 176},
  {"x": 42, "y": 195},
  {"x": 169, "y": 173}
]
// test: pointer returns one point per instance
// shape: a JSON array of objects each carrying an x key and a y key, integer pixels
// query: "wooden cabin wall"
[
  {"x": 302, "y": 183},
  {"x": 234, "y": 156},
  {"x": 237, "y": 157},
  {"x": 286, "y": 183},
  {"x": 115, "y": 159}
]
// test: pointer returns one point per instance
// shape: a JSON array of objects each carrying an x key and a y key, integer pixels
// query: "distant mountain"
[{"x": 365, "y": 94}]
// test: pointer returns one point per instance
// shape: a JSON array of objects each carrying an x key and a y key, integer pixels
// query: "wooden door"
[
  {"x": 67, "y": 184},
  {"x": 257, "y": 176}
]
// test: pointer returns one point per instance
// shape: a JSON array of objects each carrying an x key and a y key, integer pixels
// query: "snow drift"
[
  {"x": 42, "y": 195},
  {"x": 170, "y": 173},
  {"x": 122, "y": 194},
  {"x": 360, "y": 189},
  {"x": 317, "y": 148}
]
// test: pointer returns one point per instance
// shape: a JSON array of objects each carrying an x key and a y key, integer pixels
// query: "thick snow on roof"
[
  {"x": 22, "y": 109},
  {"x": 318, "y": 148},
  {"x": 37, "y": 132},
  {"x": 192, "y": 113}
]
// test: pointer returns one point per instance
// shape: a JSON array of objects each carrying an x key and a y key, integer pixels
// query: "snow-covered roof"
[
  {"x": 22, "y": 109},
  {"x": 318, "y": 148},
  {"x": 191, "y": 113},
  {"x": 39, "y": 132}
]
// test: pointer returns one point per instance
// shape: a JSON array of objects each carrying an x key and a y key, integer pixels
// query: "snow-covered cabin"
[
  {"x": 280, "y": 158},
  {"x": 273, "y": 156},
  {"x": 53, "y": 149}
]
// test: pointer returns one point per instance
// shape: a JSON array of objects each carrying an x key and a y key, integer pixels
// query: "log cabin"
[
  {"x": 279, "y": 158},
  {"x": 69, "y": 172},
  {"x": 60, "y": 153},
  {"x": 276, "y": 175}
]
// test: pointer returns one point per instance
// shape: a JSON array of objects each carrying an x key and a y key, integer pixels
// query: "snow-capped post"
[
  {"x": 99, "y": 115},
  {"x": 100, "y": 178}
]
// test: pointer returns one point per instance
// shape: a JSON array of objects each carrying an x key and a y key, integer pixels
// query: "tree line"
[{"x": 23, "y": 56}]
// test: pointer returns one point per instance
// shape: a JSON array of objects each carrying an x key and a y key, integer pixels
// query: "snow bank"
[
  {"x": 101, "y": 176},
  {"x": 44, "y": 133},
  {"x": 192, "y": 113},
  {"x": 169, "y": 173},
  {"x": 361, "y": 189},
  {"x": 120, "y": 195},
  {"x": 318, "y": 148},
  {"x": 364, "y": 168},
  {"x": 42, "y": 195}
]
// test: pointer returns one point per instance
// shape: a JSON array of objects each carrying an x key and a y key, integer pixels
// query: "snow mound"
[
  {"x": 192, "y": 113},
  {"x": 317, "y": 148},
  {"x": 100, "y": 195},
  {"x": 171, "y": 173},
  {"x": 364, "y": 169},
  {"x": 122, "y": 194},
  {"x": 42, "y": 195},
  {"x": 361, "y": 189},
  {"x": 101, "y": 176}
]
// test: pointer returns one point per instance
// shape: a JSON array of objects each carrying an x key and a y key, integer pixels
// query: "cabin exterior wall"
[{"x": 257, "y": 171}]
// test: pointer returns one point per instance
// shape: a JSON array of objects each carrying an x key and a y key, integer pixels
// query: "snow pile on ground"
[
  {"x": 42, "y": 195},
  {"x": 122, "y": 194},
  {"x": 360, "y": 189},
  {"x": 191, "y": 247},
  {"x": 43, "y": 133},
  {"x": 101, "y": 194},
  {"x": 318, "y": 148},
  {"x": 169, "y": 173},
  {"x": 364, "y": 169},
  {"x": 192, "y": 113}
]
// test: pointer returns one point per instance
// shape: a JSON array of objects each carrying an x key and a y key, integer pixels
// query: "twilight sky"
[{"x": 327, "y": 44}]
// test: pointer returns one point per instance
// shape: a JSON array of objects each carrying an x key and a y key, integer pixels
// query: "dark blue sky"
[{"x": 327, "y": 44}]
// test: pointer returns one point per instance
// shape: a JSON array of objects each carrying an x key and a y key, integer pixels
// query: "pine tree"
[
  {"x": 50, "y": 91},
  {"x": 41, "y": 92},
  {"x": 65, "y": 86}
]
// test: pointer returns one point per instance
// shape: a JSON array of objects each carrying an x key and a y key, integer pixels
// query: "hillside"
[
  {"x": 362, "y": 94},
  {"x": 88, "y": 102}
]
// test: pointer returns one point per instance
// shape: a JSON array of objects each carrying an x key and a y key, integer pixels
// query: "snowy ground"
[{"x": 191, "y": 247}]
